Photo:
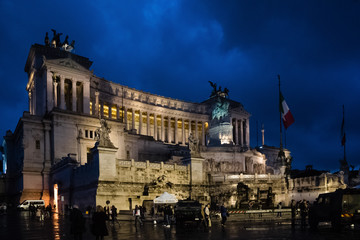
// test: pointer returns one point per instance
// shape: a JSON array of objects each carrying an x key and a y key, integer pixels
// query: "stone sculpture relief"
[
  {"x": 102, "y": 135},
  {"x": 194, "y": 146}
]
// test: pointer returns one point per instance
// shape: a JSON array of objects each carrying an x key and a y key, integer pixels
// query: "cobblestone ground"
[{"x": 19, "y": 225}]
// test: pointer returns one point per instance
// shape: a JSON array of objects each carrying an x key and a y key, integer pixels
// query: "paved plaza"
[{"x": 19, "y": 225}]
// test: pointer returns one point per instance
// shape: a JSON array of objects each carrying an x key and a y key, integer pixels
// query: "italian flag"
[{"x": 286, "y": 115}]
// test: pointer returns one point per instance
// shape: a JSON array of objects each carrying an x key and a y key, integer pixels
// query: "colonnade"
[
  {"x": 69, "y": 94},
  {"x": 163, "y": 127},
  {"x": 166, "y": 127},
  {"x": 241, "y": 133}
]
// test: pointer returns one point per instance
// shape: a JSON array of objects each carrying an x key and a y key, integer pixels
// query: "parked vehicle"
[
  {"x": 339, "y": 207},
  {"x": 26, "y": 204},
  {"x": 188, "y": 211}
]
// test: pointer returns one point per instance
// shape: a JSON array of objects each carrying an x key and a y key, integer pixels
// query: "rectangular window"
[
  {"x": 91, "y": 134},
  {"x": 106, "y": 110},
  {"x": 113, "y": 112},
  {"x": 86, "y": 133},
  {"x": 37, "y": 143}
]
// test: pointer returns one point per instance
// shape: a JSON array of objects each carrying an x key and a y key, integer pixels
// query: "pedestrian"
[
  {"x": 32, "y": 211},
  {"x": 113, "y": 213},
  {"x": 77, "y": 220},
  {"x": 141, "y": 212},
  {"x": 224, "y": 214},
  {"x": 168, "y": 213},
  {"x": 98, "y": 227},
  {"x": 137, "y": 215},
  {"x": 152, "y": 211},
  {"x": 303, "y": 213},
  {"x": 49, "y": 210},
  {"x": 207, "y": 215},
  {"x": 107, "y": 211},
  {"x": 293, "y": 212},
  {"x": 42, "y": 213},
  {"x": 38, "y": 213},
  {"x": 279, "y": 206}
]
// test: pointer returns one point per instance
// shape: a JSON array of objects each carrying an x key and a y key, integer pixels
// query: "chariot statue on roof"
[{"x": 218, "y": 91}]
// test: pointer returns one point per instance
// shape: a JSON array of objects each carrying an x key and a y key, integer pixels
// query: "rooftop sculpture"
[
  {"x": 218, "y": 92},
  {"x": 56, "y": 43}
]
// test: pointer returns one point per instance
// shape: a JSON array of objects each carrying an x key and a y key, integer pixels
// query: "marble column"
[
  {"x": 162, "y": 129},
  {"x": 96, "y": 107},
  {"x": 155, "y": 127},
  {"x": 183, "y": 131},
  {"x": 176, "y": 130},
  {"x": 62, "y": 93},
  {"x": 169, "y": 131},
  {"x": 117, "y": 112},
  {"x": 241, "y": 133},
  {"x": 140, "y": 122},
  {"x": 74, "y": 95},
  {"x": 203, "y": 134},
  {"x": 55, "y": 94},
  {"x": 133, "y": 119},
  {"x": 86, "y": 97},
  {"x": 236, "y": 132},
  {"x": 247, "y": 133},
  {"x": 125, "y": 120},
  {"x": 49, "y": 92},
  {"x": 30, "y": 103},
  {"x": 148, "y": 132}
]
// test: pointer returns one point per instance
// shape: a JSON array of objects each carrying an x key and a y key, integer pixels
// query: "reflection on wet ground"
[{"x": 19, "y": 225}]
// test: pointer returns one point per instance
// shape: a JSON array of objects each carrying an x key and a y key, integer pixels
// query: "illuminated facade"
[{"x": 52, "y": 153}]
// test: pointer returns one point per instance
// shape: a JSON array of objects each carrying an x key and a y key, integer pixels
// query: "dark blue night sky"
[{"x": 173, "y": 48}]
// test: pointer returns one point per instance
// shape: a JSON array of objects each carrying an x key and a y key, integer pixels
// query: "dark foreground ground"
[{"x": 19, "y": 225}]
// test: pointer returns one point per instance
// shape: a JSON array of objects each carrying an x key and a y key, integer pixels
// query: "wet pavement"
[{"x": 19, "y": 225}]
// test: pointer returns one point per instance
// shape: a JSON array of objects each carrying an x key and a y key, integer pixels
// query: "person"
[
  {"x": 224, "y": 214},
  {"x": 32, "y": 211},
  {"x": 207, "y": 215},
  {"x": 303, "y": 213},
  {"x": 49, "y": 210},
  {"x": 137, "y": 214},
  {"x": 113, "y": 213},
  {"x": 152, "y": 211},
  {"x": 98, "y": 227},
  {"x": 293, "y": 212},
  {"x": 168, "y": 215},
  {"x": 279, "y": 208},
  {"x": 77, "y": 227},
  {"x": 42, "y": 213}
]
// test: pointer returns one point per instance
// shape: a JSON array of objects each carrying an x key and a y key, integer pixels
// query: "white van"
[{"x": 26, "y": 204}]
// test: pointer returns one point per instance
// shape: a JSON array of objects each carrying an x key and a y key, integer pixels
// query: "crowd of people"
[
  {"x": 301, "y": 207},
  {"x": 100, "y": 215}
]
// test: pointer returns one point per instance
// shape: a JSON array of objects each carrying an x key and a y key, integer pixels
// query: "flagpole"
[
  {"x": 281, "y": 144},
  {"x": 344, "y": 131}
]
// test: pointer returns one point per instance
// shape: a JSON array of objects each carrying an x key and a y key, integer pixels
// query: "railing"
[{"x": 147, "y": 164}]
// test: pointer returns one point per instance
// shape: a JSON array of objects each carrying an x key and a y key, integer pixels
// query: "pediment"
[{"x": 68, "y": 63}]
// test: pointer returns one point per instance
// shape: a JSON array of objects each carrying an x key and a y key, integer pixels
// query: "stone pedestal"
[
  {"x": 107, "y": 163},
  {"x": 196, "y": 168}
]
